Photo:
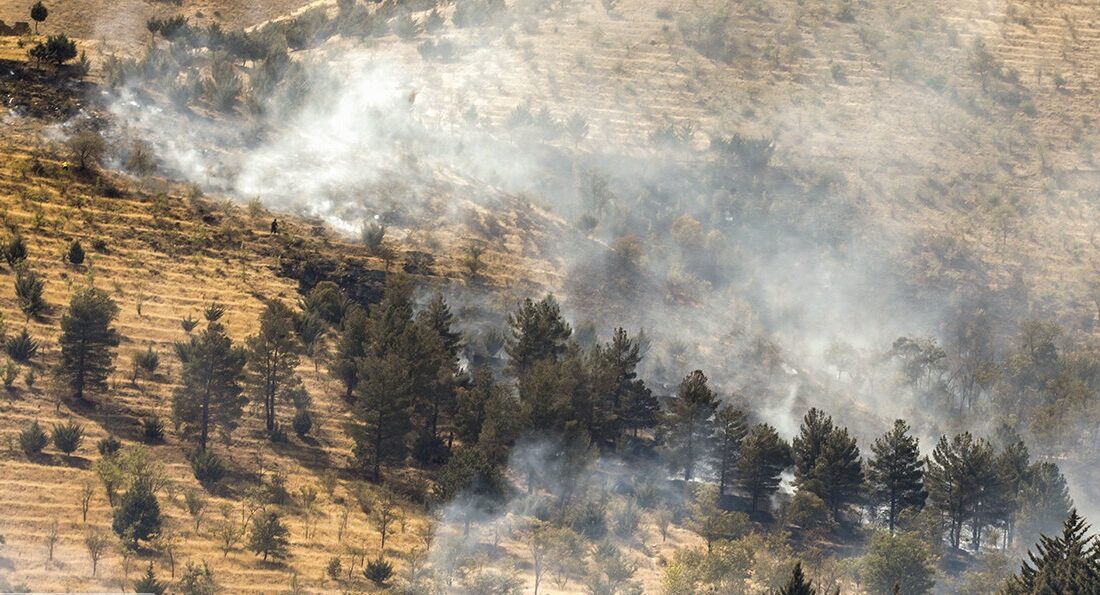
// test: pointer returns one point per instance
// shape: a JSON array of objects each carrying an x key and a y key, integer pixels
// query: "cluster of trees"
[
  {"x": 399, "y": 369},
  {"x": 218, "y": 377},
  {"x": 1038, "y": 377}
]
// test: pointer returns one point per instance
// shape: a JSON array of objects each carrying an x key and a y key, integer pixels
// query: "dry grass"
[{"x": 137, "y": 268}]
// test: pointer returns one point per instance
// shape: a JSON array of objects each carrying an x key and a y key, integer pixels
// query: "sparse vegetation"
[
  {"x": 33, "y": 439},
  {"x": 67, "y": 437}
]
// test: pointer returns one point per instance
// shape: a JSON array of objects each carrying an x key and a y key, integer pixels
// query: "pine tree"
[
  {"x": 732, "y": 429},
  {"x": 39, "y": 13},
  {"x": 538, "y": 332},
  {"x": 137, "y": 517},
  {"x": 209, "y": 395},
  {"x": 962, "y": 484},
  {"x": 896, "y": 473},
  {"x": 806, "y": 447},
  {"x": 438, "y": 317},
  {"x": 764, "y": 456},
  {"x": 1013, "y": 464},
  {"x": 1045, "y": 500},
  {"x": 383, "y": 404},
  {"x": 989, "y": 494},
  {"x": 839, "y": 472},
  {"x": 443, "y": 342},
  {"x": 270, "y": 537},
  {"x": 473, "y": 404},
  {"x": 29, "y": 287},
  {"x": 827, "y": 461},
  {"x": 1069, "y": 563},
  {"x": 351, "y": 346},
  {"x": 75, "y": 255},
  {"x": 273, "y": 357},
  {"x": 689, "y": 428},
  {"x": 621, "y": 401},
  {"x": 549, "y": 393},
  {"x": 87, "y": 342},
  {"x": 149, "y": 584},
  {"x": 798, "y": 584}
]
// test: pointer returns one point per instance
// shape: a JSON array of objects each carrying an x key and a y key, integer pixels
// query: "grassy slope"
[
  {"x": 658, "y": 71},
  {"x": 233, "y": 260},
  {"x": 138, "y": 267}
]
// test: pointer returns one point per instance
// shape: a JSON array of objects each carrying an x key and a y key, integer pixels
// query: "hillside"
[{"x": 804, "y": 200}]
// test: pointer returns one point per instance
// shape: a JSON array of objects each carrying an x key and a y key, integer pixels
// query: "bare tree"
[
  {"x": 96, "y": 541},
  {"x": 384, "y": 513},
  {"x": 86, "y": 500},
  {"x": 52, "y": 536}
]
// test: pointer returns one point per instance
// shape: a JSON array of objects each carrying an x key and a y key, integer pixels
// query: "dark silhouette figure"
[{"x": 274, "y": 226}]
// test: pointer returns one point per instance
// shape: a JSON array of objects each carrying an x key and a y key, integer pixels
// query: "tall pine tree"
[
  {"x": 444, "y": 343},
  {"x": 538, "y": 332},
  {"x": 807, "y": 446},
  {"x": 87, "y": 342},
  {"x": 827, "y": 462},
  {"x": 954, "y": 476},
  {"x": 351, "y": 346},
  {"x": 383, "y": 407},
  {"x": 732, "y": 429},
  {"x": 896, "y": 474},
  {"x": 764, "y": 456},
  {"x": 273, "y": 357},
  {"x": 688, "y": 430},
  {"x": 209, "y": 394},
  {"x": 1068, "y": 563},
  {"x": 1044, "y": 500}
]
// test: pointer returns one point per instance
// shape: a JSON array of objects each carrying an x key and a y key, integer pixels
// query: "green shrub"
[
  {"x": 152, "y": 429},
  {"x": 207, "y": 467},
  {"x": 277, "y": 434},
  {"x": 303, "y": 423},
  {"x": 10, "y": 372},
  {"x": 108, "y": 446},
  {"x": 626, "y": 519},
  {"x": 378, "y": 571},
  {"x": 29, "y": 287},
  {"x": 32, "y": 439},
  {"x": 15, "y": 251},
  {"x": 214, "y": 312},
  {"x": 589, "y": 519},
  {"x": 270, "y": 537},
  {"x": 75, "y": 255},
  {"x": 147, "y": 361},
  {"x": 277, "y": 492},
  {"x": 56, "y": 50},
  {"x": 334, "y": 569},
  {"x": 67, "y": 437},
  {"x": 149, "y": 583},
  {"x": 373, "y": 235},
  {"x": 189, "y": 324},
  {"x": 137, "y": 517},
  {"x": 21, "y": 348}
]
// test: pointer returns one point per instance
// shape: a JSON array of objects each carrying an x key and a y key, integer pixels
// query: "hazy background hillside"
[{"x": 772, "y": 191}]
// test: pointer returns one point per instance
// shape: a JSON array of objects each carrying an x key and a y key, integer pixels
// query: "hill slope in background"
[{"x": 933, "y": 163}]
